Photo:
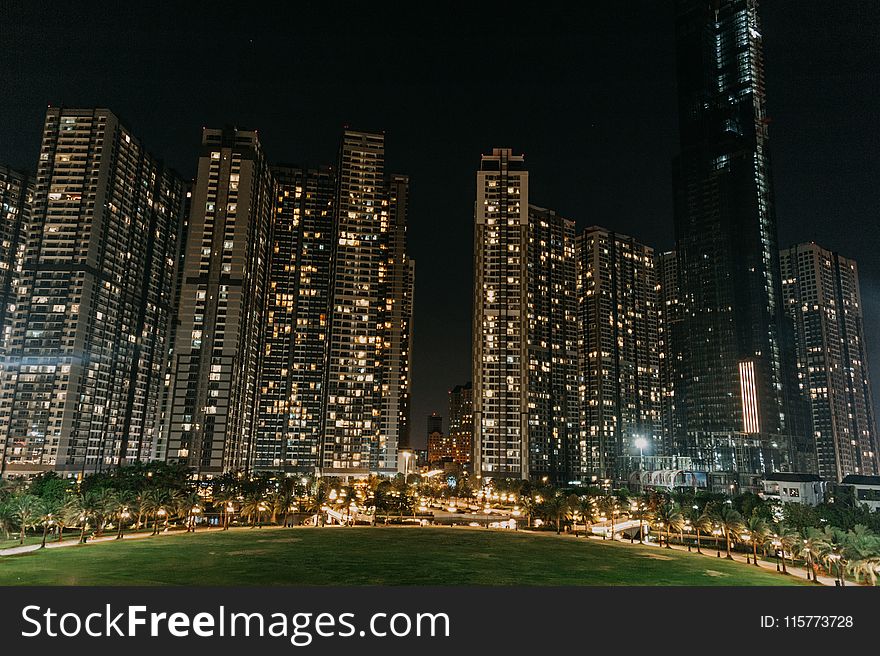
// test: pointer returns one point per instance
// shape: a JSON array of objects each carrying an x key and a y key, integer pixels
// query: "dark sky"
[{"x": 586, "y": 93}]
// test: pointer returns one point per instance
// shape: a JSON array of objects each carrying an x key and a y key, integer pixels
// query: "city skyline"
[{"x": 439, "y": 320}]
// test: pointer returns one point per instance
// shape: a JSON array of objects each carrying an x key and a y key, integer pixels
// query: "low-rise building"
[
  {"x": 866, "y": 489},
  {"x": 794, "y": 488}
]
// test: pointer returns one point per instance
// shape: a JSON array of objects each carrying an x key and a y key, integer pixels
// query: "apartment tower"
[{"x": 87, "y": 346}]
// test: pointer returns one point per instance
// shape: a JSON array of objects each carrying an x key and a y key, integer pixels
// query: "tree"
[
  {"x": 186, "y": 504},
  {"x": 321, "y": 494},
  {"x": 7, "y": 517},
  {"x": 759, "y": 533},
  {"x": 702, "y": 524},
  {"x": 283, "y": 501},
  {"x": 786, "y": 538},
  {"x": 118, "y": 507},
  {"x": 49, "y": 511},
  {"x": 587, "y": 512},
  {"x": 80, "y": 509},
  {"x": 252, "y": 508},
  {"x": 556, "y": 506},
  {"x": 105, "y": 504},
  {"x": 800, "y": 516},
  {"x": 669, "y": 518},
  {"x": 154, "y": 504},
  {"x": 861, "y": 554},
  {"x": 609, "y": 504},
  {"x": 528, "y": 503},
  {"x": 50, "y": 485},
  {"x": 27, "y": 512},
  {"x": 812, "y": 547},
  {"x": 224, "y": 499},
  {"x": 731, "y": 523},
  {"x": 349, "y": 494}
]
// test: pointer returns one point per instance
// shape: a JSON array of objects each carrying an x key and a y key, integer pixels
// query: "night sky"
[{"x": 587, "y": 94}]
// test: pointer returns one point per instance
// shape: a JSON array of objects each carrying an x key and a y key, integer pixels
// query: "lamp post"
[{"x": 641, "y": 444}]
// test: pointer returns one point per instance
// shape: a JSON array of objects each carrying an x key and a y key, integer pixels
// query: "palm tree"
[
  {"x": 186, "y": 504},
  {"x": 27, "y": 511},
  {"x": 528, "y": 504},
  {"x": 556, "y": 506},
  {"x": 609, "y": 504},
  {"x": 812, "y": 547},
  {"x": 49, "y": 512},
  {"x": 105, "y": 503},
  {"x": 61, "y": 517},
  {"x": 154, "y": 503},
  {"x": 786, "y": 538},
  {"x": 119, "y": 508},
  {"x": 759, "y": 533},
  {"x": 702, "y": 524},
  {"x": 731, "y": 522},
  {"x": 350, "y": 495},
  {"x": 6, "y": 517},
  {"x": 860, "y": 551},
  {"x": 587, "y": 513},
  {"x": 835, "y": 553},
  {"x": 283, "y": 501},
  {"x": 668, "y": 516},
  {"x": 253, "y": 508},
  {"x": 318, "y": 500},
  {"x": 224, "y": 500},
  {"x": 80, "y": 509}
]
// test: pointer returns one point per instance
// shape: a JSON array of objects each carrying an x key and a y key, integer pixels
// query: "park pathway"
[{"x": 707, "y": 553}]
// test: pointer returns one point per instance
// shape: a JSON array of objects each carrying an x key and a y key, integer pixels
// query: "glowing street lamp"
[
  {"x": 717, "y": 533},
  {"x": 641, "y": 444}
]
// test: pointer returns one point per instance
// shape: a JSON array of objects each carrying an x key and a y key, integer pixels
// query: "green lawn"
[{"x": 374, "y": 556}]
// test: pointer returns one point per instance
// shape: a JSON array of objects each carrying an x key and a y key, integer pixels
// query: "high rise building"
[
  {"x": 297, "y": 322},
  {"x": 218, "y": 343},
  {"x": 619, "y": 354},
  {"x": 821, "y": 291},
  {"x": 435, "y": 423},
  {"x": 397, "y": 280},
  {"x": 160, "y": 443},
  {"x": 524, "y": 343},
  {"x": 668, "y": 345},
  {"x": 16, "y": 200},
  {"x": 371, "y": 314},
  {"x": 555, "y": 449},
  {"x": 461, "y": 418},
  {"x": 736, "y": 395},
  {"x": 87, "y": 347}
]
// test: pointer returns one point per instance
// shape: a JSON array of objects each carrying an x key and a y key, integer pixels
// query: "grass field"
[{"x": 374, "y": 556}]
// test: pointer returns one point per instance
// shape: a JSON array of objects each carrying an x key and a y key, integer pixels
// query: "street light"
[
  {"x": 641, "y": 444},
  {"x": 717, "y": 533}
]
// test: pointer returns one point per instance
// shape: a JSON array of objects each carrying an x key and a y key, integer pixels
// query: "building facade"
[
  {"x": 397, "y": 282},
  {"x": 461, "y": 418},
  {"x": 371, "y": 315},
  {"x": 821, "y": 291},
  {"x": 669, "y": 344},
  {"x": 620, "y": 392},
  {"x": 290, "y": 421},
  {"x": 524, "y": 343},
  {"x": 87, "y": 346},
  {"x": 218, "y": 343},
  {"x": 16, "y": 202},
  {"x": 737, "y": 398}
]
